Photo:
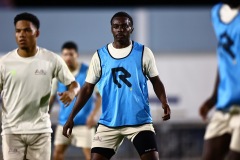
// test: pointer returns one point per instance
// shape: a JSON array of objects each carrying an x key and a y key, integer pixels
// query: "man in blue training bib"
[
  {"x": 121, "y": 70},
  {"x": 85, "y": 120},
  {"x": 222, "y": 136}
]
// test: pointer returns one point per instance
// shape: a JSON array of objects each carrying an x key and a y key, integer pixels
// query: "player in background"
[
  {"x": 222, "y": 136},
  {"x": 85, "y": 120}
]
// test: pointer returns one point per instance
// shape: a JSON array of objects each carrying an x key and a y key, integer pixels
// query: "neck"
[
  {"x": 27, "y": 52},
  {"x": 74, "y": 67},
  {"x": 121, "y": 44}
]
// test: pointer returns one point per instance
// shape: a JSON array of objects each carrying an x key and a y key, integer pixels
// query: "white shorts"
[
  {"x": 81, "y": 136},
  {"x": 106, "y": 137},
  {"x": 222, "y": 123},
  {"x": 26, "y": 146}
]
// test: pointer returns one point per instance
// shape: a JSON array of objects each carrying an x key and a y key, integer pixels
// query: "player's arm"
[
  {"x": 150, "y": 69},
  {"x": 211, "y": 101},
  {"x": 159, "y": 90},
  {"x": 91, "y": 120},
  {"x": 63, "y": 74}
]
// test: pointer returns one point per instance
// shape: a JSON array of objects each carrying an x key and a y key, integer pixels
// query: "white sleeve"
[
  {"x": 149, "y": 64},
  {"x": 94, "y": 71},
  {"x": 62, "y": 73}
]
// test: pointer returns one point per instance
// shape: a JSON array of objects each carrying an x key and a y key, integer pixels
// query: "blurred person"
[
  {"x": 121, "y": 70},
  {"x": 26, "y": 74},
  {"x": 86, "y": 120},
  {"x": 222, "y": 136},
  {"x": 7, "y": 3}
]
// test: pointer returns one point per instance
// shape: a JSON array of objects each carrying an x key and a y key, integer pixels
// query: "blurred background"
[{"x": 181, "y": 36}]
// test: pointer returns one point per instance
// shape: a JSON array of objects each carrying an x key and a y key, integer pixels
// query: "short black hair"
[
  {"x": 232, "y": 3},
  {"x": 122, "y": 14},
  {"x": 70, "y": 45},
  {"x": 28, "y": 17}
]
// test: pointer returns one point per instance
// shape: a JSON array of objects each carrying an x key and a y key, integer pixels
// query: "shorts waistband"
[{"x": 232, "y": 110}]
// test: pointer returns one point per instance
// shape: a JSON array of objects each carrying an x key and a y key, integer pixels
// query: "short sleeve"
[
  {"x": 62, "y": 73},
  {"x": 149, "y": 64},
  {"x": 94, "y": 71}
]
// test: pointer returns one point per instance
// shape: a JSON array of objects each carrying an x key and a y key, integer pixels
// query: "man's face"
[
  {"x": 121, "y": 28},
  {"x": 70, "y": 56},
  {"x": 26, "y": 34}
]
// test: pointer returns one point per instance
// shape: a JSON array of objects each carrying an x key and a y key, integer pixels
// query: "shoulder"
[
  {"x": 95, "y": 56},
  {"x": 84, "y": 65},
  {"x": 103, "y": 49},
  {"x": 217, "y": 5},
  {"x": 147, "y": 51},
  {"x": 49, "y": 55},
  {"x": 46, "y": 52},
  {"x": 95, "y": 60},
  {"x": 216, "y": 8},
  {"x": 8, "y": 56},
  {"x": 148, "y": 56},
  {"x": 136, "y": 44}
]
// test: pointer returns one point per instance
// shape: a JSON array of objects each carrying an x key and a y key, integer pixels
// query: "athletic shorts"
[
  {"x": 81, "y": 136},
  {"x": 26, "y": 146},
  {"x": 225, "y": 122},
  {"x": 112, "y": 138}
]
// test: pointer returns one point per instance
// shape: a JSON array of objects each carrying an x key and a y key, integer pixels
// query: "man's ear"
[
  {"x": 132, "y": 29},
  {"x": 37, "y": 33}
]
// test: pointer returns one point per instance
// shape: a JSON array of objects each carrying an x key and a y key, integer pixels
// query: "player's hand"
[
  {"x": 205, "y": 108},
  {"x": 66, "y": 97},
  {"x": 67, "y": 128},
  {"x": 167, "y": 112}
]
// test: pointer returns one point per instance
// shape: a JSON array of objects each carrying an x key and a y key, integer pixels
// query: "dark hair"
[
  {"x": 122, "y": 14},
  {"x": 232, "y": 3},
  {"x": 28, "y": 17},
  {"x": 70, "y": 45}
]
